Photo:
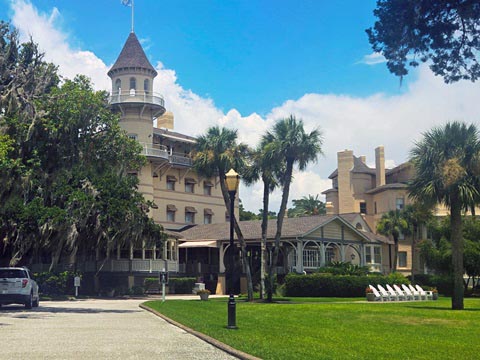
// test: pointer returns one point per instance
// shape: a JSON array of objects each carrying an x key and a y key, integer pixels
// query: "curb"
[{"x": 218, "y": 344}]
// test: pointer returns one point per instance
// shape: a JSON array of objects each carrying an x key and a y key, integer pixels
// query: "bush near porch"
[{"x": 329, "y": 285}]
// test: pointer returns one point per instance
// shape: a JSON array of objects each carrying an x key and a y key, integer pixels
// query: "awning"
[
  {"x": 208, "y": 183},
  {"x": 190, "y": 181},
  {"x": 198, "y": 244},
  {"x": 171, "y": 207},
  {"x": 190, "y": 209},
  {"x": 208, "y": 211},
  {"x": 171, "y": 178}
]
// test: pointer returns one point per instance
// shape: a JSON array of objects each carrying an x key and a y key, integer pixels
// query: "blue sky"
[
  {"x": 248, "y": 55},
  {"x": 245, "y": 64}
]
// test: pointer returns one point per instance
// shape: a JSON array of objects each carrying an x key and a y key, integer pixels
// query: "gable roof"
[
  {"x": 132, "y": 56},
  {"x": 292, "y": 228},
  {"x": 358, "y": 167}
]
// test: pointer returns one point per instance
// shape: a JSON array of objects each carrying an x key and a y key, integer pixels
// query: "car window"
[{"x": 12, "y": 273}]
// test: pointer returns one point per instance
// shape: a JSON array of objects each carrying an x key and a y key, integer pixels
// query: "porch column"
[
  {"x": 362, "y": 254},
  {"x": 342, "y": 253},
  {"x": 221, "y": 257},
  {"x": 299, "y": 266},
  {"x": 322, "y": 254}
]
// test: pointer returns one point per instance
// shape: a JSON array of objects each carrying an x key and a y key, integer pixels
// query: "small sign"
[
  {"x": 76, "y": 281},
  {"x": 163, "y": 277}
]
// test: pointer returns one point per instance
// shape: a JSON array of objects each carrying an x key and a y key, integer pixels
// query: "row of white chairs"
[{"x": 406, "y": 292}]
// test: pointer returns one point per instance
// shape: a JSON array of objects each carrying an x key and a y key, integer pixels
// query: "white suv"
[{"x": 18, "y": 287}]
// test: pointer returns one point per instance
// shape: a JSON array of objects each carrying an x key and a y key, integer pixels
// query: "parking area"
[{"x": 96, "y": 329}]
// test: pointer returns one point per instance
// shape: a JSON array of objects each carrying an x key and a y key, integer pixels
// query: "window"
[
  {"x": 133, "y": 83},
  {"x": 190, "y": 215},
  {"x": 335, "y": 183},
  {"x": 171, "y": 209},
  {"x": 118, "y": 85},
  {"x": 373, "y": 254},
  {"x": 399, "y": 204},
  {"x": 146, "y": 86},
  {"x": 227, "y": 217},
  {"x": 402, "y": 259},
  {"x": 363, "y": 207},
  {"x": 171, "y": 182},
  {"x": 207, "y": 188},
  {"x": 329, "y": 254},
  {"x": 207, "y": 216},
  {"x": 133, "y": 136},
  {"x": 359, "y": 226},
  {"x": 375, "y": 206},
  {"x": 190, "y": 185}
]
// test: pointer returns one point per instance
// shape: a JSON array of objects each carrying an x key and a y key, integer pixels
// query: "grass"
[{"x": 337, "y": 330}]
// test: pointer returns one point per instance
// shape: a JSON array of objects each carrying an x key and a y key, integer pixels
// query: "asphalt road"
[{"x": 95, "y": 329}]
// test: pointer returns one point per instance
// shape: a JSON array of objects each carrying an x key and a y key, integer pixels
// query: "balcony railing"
[
  {"x": 121, "y": 265},
  {"x": 153, "y": 150},
  {"x": 136, "y": 96},
  {"x": 179, "y": 159}
]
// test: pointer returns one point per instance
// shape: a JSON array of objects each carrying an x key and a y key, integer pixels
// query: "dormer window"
[{"x": 133, "y": 83}]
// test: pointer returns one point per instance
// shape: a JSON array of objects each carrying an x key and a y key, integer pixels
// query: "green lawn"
[{"x": 334, "y": 330}]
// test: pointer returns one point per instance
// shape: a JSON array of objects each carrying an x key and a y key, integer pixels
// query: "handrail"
[
  {"x": 154, "y": 150},
  {"x": 135, "y": 96}
]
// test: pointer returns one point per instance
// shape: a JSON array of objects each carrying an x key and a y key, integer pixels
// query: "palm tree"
[
  {"x": 393, "y": 224},
  {"x": 307, "y": 206},
  {"x": 417, "y": 216},
  {"x": 215, "y": 153},
  {"x": 261, "y": 168},
  {"x": 288, "y": 144},
  {"x": 447, "y": 166}
]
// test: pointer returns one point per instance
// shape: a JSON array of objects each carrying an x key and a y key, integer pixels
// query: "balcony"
[
  {"x": 136, "y": 96},
  {"x": 180, "y": 159},
  {"x": 155, "y": 151}
]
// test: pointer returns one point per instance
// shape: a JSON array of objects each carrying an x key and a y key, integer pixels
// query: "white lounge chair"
[
  {"x": 393, "y": 292},
  {"x": 404, "y": 293},
  {"x": 377, "y": 295},
  {"x": 417, "y": 293},
  {"x": 409, "y": 292},
  {"x": 386, "y": 293},
  {"x": 428, "y": 294},
  {"x": 399, "y": 294}
]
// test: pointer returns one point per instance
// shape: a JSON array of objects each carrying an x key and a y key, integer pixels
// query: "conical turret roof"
[{"x": 132, "y": 56}]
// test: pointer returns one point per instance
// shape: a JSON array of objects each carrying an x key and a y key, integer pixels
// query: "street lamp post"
[{"x": 232, "y": 179}]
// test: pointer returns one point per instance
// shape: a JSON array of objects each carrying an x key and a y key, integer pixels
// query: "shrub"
[
  {"x": 181, "y": 285},
  {"x": 328, "y": 285},
  {"x": 149, "y": 283},
  {"x": 56, "y": 284},
  {"x": 344, "y": 268},
  {"x": 136, "y": 290},
  {"x": 443, "y": 283}
]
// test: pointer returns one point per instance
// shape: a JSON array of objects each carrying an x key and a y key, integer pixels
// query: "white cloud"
[
  {"x": 347, "y": 122},
  {"x": 373, "y": 59},
  {"x": 55, "y": 43}
]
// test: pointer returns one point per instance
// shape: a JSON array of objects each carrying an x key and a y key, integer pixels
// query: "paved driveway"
[{"x": 95, "y": 329}]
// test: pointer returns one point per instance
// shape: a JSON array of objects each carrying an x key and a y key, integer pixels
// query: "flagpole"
[{"x": 132, "y": 14}]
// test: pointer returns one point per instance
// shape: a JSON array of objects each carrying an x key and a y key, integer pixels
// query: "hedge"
[
  {"x": 56, "y": 283},
  {"x": 181, "y": 285},
  {"x": 328, "y": 285},
  {"x": 443, "y": 283}
]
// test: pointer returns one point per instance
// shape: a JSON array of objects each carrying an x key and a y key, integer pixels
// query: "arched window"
[
  {"x": 146, "y": 85},
  {"x": 118, "y": 84},
  {"x": 359, "y": 226},
  {"x": 133, "y": 83}
]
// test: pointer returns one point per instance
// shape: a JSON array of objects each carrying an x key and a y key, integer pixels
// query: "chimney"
[
  {"x": 329, "y": 207},
  {"x": 363, "y": 159},
  {"x": 346, "y": 202},
  {"x": 380, "y": 165},
  {"x": 165, "y": 121}
]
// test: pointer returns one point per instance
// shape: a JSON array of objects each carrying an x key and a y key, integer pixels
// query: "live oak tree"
[
  {"x": 444, "y": 33},
  {"x": 64, "y": 163}
]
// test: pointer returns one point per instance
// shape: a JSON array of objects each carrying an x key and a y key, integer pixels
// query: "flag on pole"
[{"x": 126, "y": 2}]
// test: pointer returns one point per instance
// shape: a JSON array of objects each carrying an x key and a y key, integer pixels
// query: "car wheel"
[
  {"x": 29, "y": 302},
  {"x": 36, "y": 302}
]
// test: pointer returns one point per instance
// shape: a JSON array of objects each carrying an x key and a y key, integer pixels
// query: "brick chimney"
[
  {"x": 346, "y": 202},
  {"x": 380, "y": 166}
]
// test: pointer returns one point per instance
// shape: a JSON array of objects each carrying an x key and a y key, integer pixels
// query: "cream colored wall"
[
  {"x": 125, "y": 79},
  {"x": 181, "y": 199},
  {"x": 346, "y": 203}
]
